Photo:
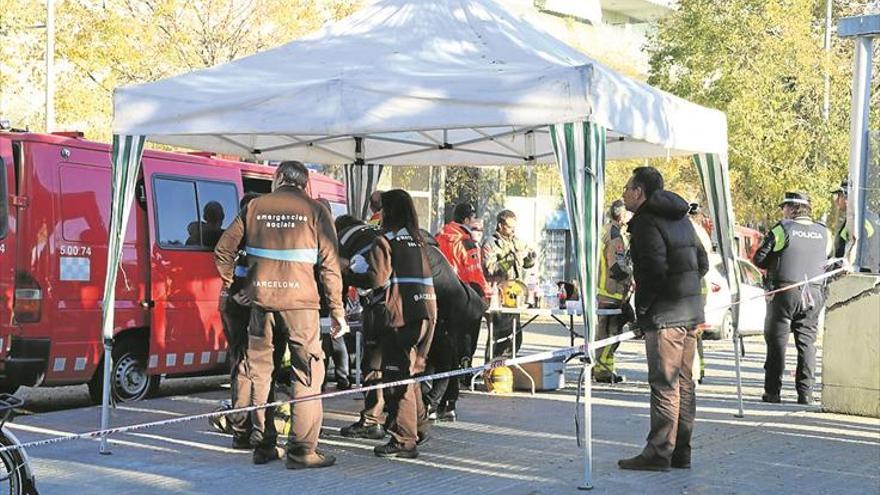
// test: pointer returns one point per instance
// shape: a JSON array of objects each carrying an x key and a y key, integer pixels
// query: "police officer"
[
  {"x": 398, "y": 262},
  {"x": 290, "y": 242},
  {"x": 615, "y": 282},
  {"x": 794, "y": 250},
  {"x": 871, "y": 225}
]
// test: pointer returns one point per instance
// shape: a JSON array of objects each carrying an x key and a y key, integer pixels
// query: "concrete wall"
[{"x": 851, "y": 363}]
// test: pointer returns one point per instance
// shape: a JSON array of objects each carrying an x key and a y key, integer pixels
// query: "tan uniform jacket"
[
  {"x": 505, "y": 258},
  {"x": 399, "y": 263},
  {"x": 614, "y": 288},
  {"x": 290, "y": 241}
]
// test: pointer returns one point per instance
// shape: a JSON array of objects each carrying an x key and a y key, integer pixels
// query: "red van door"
[
  {"x": 7, "y": 242},
  {"x": 188, "y": 206}
]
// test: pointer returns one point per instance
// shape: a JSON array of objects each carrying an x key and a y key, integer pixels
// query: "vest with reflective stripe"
[
  {"x": 411, "y": 290},
  {"x": 871, "y": 243},
  {"x": 801, "y": 247},
  {"x": 357, "y": 239},
  {"x": 612, "y": 290}
]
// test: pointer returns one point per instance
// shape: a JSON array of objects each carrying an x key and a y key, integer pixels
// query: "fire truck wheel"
[{"x": 128, "y": 376}]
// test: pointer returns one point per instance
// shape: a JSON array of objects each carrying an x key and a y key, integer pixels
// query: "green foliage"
[
  {"x": 102, "y": 45},
  {"x": 762, "y": 62}
]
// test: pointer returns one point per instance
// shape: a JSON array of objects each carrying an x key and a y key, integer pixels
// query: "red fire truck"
[{"x": 54, "y": 218}]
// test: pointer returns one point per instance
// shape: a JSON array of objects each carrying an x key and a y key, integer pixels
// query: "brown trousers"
[
  {"x": 235, "y": 327},
  {"x": 300, "y": 331},
  {"x": 670, "y": 353},
  {"x": 373, "y": 319},
  {"x": 404, "y": 355}
]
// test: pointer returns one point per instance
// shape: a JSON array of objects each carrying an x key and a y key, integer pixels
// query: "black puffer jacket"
[
  {"x": 457, "y": 302},
  {"x": 668, "y": 264}
]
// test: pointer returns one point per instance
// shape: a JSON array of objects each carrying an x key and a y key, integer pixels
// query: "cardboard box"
[{"x": 548, "y": 375}]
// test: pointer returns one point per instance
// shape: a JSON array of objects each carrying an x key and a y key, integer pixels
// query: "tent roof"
[{"x": 433, "y": 82}]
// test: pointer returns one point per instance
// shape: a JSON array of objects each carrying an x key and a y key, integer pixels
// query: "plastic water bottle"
[
  {"x": 539, "y": 296},
  {"x": 493, "y": 298},
  {"x": 562, "y": 295},
  {"x": 531, "y": 299}
]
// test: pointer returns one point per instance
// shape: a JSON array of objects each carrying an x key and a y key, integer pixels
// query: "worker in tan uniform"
[
  {"x": 399, "y": 263},
  {"x": 291, "y": 248}
]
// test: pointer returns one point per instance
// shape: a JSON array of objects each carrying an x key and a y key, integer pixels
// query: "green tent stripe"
[
  {"x": 714, "y": 178},
  {"x": 125, "y": 162},
  {"x": 580, "y": 155}
]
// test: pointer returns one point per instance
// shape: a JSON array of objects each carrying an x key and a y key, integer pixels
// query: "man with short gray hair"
[
  {"x": 291, "y": 247},
  {"x": 668, "y": 265}
]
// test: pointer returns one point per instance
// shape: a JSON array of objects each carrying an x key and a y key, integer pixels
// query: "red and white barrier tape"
[
  {"x": 562, "y": 353},
  {"x": 815, "y": 279}
]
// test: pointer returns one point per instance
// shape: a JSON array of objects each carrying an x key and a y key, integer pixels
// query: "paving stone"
[{"x": 517, "y": 444}]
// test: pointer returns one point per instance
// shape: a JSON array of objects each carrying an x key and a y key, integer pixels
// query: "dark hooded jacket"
[
  {"x": 669, "y": 263},
  {"x": 458, "y": 304}
]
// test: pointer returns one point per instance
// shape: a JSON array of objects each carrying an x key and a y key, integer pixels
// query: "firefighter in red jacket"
[{"x": 457, "y": 243}]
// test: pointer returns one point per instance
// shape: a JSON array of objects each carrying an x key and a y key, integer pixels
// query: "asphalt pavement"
[{"x": 516, "y": 444}]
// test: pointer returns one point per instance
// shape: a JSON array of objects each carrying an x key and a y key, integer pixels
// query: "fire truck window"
[
  {"x": 262, "y": 186},
  {"x": 85, "y": 205},
  {"x": 4, "y": 200},
  {"x": 177, "y": 212},
  {"x": 218, "y": 202},
  {"x": 338, "y": 209}
]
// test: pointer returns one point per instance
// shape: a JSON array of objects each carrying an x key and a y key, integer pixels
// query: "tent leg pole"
[
  {"x": 358, "y": 350},
  {"x": 588, "y": 426},
  {"x": 105, "y": 395},
  {"x": 737, "y": 342}
]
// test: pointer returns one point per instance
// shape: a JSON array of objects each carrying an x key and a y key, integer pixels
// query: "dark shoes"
[
  {"x": 446, "y": 415},
  {"x": 424, "y": 436},
  {"x": 641, "y": 463},
  {"x": 264, "y": 455},
  {"x": 343, "y": 384},
  {"x": 611, "y": 378},
  {"x": 241, "y": 442},
  {"x": 803, "y": 399},
  {"x": 681, "y": 460},
  {"x": 311, "y": 460},
  {"x": 393, "y": 449},
  {"x": 442, "y": 415},
  {"x": 360, "y": 430}
]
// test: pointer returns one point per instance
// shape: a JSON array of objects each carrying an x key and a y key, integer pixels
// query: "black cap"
[
  {"x": 796, "y": 198},
  {"x": 463, "y": 211},
  {"x": 843, "y": 188}
]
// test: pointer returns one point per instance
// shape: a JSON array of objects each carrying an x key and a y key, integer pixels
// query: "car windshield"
[{"x": 751, "y": 275}]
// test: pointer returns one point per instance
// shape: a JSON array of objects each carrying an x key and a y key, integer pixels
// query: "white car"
[{"x": 719, "y": 314}]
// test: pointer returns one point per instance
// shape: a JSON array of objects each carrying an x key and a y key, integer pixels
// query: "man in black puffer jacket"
[
  {"x": 668, "y": 264},
  {"x": 459, "y": 316}
]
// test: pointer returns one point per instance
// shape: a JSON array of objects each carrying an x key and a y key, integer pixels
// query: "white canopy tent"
[
  {"x": 413, "y": 82},
  {"x": 439, "y": 82}
]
